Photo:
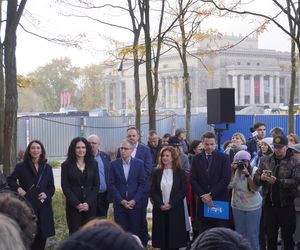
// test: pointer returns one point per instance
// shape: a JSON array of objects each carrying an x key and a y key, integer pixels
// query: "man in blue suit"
[
  {"x": 210, "y": 176},
  {"x": 103, "y": 161},
  {"x": 127, "y": 183},
  {"x": 142, "y": 152}
]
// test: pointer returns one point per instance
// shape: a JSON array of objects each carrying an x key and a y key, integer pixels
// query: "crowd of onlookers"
[{"x": 242, "y": 195}]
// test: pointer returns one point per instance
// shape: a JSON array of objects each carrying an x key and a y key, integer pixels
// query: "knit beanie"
[
  {"x": 100, "y": 238},
  {"x": 268, "y": 141},
  {"x": 238, "y": 134},
  {"x": 220, "y": 238},
  {"x": 242, "y": 155}
]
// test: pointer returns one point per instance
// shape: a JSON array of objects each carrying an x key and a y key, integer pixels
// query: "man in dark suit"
[
  {"x": 127, "y": 183},
  {"x": 103, "y": 161},
  {"x": 258, "y": 134},
  {"x": 210, "y": 176}
]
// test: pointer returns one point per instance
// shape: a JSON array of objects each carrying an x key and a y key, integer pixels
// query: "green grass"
[{"x": 61, "y": 229}]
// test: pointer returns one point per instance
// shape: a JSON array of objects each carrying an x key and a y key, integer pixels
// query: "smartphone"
[
  {"x": 254, "y": 134},
  {"x": 267, "y": 173}
]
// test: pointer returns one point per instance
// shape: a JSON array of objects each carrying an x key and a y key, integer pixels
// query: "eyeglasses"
[
  {"x": 123, "y": 148},
  {"x": 93, "y": 142}
]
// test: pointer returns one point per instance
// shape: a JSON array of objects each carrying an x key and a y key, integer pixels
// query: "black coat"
[
  {"x": 24, "y": 176},
  {"x": 79, "y": 190},
  {"x": 176, "y": 226}
]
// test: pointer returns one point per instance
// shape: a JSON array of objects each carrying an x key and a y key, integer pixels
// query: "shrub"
[{"x": 54, "y": 163}]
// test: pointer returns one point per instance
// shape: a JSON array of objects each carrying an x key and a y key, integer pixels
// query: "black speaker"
[{"x": 220, "y": 106}]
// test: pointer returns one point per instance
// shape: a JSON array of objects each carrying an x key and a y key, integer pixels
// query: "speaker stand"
[{"x": 219, "y": 132}]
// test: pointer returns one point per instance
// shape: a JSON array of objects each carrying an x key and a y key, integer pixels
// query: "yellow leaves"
[
  {"x": 210, "y": 34},
  {"x": 24, "y": 82},
  {"x": 177, "y": 85},
  {"x": 263, "y": 27},
  {"x": 129, "y": 51}
]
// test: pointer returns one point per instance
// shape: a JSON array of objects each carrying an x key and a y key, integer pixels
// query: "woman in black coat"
[
  {"x": 80, "y": 183},
  {"x": 33, "y": 179},
  {"x": 168, "y": 190}
]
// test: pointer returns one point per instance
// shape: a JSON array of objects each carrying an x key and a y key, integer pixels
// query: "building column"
[
  {"x": 167, "y": 86},
  {"x": 252, "y": 94},
  {"x": 277, "y": 90},
  {"x": 242, "y": 90},
  {"x": 261, "y": 89},
  {"x": 235, "y": 86},
  {"x": 271, "y": 94}
]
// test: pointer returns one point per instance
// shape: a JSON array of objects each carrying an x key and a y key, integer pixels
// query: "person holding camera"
[
  {"x": 246, "y": 200},
  {"x": 279, "y": 175}
]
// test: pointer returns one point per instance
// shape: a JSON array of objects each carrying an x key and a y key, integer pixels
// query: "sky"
[{"x": 45, "y": 18}]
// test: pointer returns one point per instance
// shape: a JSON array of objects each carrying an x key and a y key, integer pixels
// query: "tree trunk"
[
  {"x": 149, "y": 80},
  {"x": 11, "y": 104},
  {"x": 292, "y": 90},
  {"x": 2, "y": 91},
  {"x": 137, "y": 92},
  {"x": 14, "y": 13}
]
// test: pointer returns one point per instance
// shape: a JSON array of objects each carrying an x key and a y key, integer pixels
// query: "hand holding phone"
[{"x": 267, "y": 172}]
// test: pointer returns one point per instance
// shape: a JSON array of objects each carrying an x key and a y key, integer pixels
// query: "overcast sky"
[{"x": 33, "y": 52}]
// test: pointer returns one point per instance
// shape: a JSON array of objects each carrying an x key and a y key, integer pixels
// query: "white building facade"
[{"x": 259, "y": 77}]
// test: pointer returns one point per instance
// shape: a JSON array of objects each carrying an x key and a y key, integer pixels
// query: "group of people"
[{"x": 257, "y": 178}]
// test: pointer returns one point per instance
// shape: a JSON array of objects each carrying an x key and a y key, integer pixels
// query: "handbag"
[{"x": 32, "y": 194}]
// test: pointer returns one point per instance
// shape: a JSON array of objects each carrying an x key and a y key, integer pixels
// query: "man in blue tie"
[
  {"x": 210, "y": 176},
  {"x": 103, "y": 161}
]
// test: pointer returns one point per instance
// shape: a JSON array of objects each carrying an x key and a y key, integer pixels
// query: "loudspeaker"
[{"x": 220, "y": 106}]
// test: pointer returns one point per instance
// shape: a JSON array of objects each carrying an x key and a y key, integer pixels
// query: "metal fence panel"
[
  {"x": 56, "y": 133},
  {"x": 111, "y": 130}
]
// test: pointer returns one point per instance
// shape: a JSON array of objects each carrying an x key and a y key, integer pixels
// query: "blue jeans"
[{"x": 247, "y": 224}]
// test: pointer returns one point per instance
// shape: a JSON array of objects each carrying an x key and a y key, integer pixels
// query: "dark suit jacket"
[
  {"x": 176, "y": 222},
  {"x": 74, "y": 190},
  {"x": 130, "y": 189},
  {"x": 24, "y": 176},
  {"x": 143, "y": 153},
  {"x": 215, "y": 182},
  {"x": 252, "y": 147}
]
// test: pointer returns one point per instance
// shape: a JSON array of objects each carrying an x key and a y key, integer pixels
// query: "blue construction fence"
[
  {"x": 243, "y": 123},
  {"x": 57, "y": 132}
]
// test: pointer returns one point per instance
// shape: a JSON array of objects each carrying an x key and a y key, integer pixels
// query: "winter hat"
[
  {"x": 280, "y": 141},
  {"x": 179, "y": 131},
  {"x": 238, "y": 134},
  {"x": 295, "y": 147},
  {"x": 220, "y": 238},
  {"x": 98, "y": 238},
  {"x": 242, "y": 155},
  {"x": 268, "y": 141}
]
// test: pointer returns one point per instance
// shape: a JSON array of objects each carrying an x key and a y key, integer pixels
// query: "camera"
[
  {"x": 267, "y": 173},
  {"x": 241, "y": 165}
]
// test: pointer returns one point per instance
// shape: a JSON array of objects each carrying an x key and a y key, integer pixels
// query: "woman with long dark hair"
[
  {"x": 33, "y": 179},
  {"x": 80, "y": 183},
  {"x": 168, "y": 191}
]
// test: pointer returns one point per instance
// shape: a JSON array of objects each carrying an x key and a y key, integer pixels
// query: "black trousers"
[
  {"x": 39, "y": 243},
  {"x": 102, "y": 205},
  {"x": 283, "y": 218},
  {"x": 206, "y": 224}
]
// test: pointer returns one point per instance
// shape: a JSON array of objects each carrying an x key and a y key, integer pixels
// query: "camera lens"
[{"x": 241, "y": 165}]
